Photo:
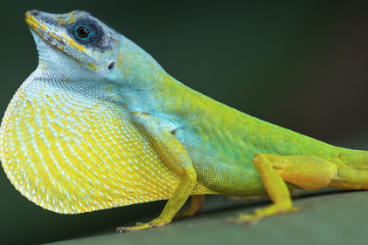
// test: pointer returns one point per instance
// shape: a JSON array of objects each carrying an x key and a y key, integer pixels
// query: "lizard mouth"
[{"x": 56, "y": 38}]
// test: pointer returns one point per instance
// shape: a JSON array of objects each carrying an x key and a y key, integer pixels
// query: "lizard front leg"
[{"x": 177, "y": 159}]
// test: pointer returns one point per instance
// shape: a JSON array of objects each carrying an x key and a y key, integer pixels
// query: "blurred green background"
[{"x": 298, "y": 64}]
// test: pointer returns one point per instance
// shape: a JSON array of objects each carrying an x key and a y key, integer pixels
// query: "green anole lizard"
[{"x": 100, "y": 124}]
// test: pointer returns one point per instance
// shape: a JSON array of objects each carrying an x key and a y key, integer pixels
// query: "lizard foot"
[
  {"x": 142, "y": 226},
  {"x": 188, "y": 213},
  {"x": 251, "y": 219},
  {"x": 196, "y": 206}
]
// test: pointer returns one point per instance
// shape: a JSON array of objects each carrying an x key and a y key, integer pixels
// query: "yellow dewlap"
[{"x": 71, "y": 154}]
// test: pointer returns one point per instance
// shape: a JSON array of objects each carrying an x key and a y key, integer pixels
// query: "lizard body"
[{"x": 100, "y": 124}]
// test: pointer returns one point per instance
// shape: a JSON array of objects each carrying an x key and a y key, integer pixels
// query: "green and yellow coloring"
[{"x": 100, "y": 124}]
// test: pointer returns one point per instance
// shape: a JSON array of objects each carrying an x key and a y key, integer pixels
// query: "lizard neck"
[
  {"x": 141, "y": 84},
  {"x": 170, "y": 99}
]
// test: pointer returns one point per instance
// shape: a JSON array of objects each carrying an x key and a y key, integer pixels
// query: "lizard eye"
[{"x": 83, "y": 32}]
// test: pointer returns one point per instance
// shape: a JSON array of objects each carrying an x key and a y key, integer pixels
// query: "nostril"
[{"x": 34, "y": 13}]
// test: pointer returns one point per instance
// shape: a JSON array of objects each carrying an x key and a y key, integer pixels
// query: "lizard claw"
[
  {"x": 138, "y": 227},
  {"x": 142, "y": 226}
]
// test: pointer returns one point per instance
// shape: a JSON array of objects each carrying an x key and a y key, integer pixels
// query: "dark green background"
[{"x": 298, "y": 64}]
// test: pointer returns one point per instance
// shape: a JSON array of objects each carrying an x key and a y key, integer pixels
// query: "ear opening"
[{"x": 111, "y": 65}]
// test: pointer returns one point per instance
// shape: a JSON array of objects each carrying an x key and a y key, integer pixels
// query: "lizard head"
[
  {"x": 77, "y": 47},
  {"x": 75, "y": 40}
]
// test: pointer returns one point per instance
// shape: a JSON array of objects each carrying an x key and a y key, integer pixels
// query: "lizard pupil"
[{"x": 83, "y": 32}]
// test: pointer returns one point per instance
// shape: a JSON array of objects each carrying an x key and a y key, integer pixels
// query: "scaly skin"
[{"x": 100, "y": 124}]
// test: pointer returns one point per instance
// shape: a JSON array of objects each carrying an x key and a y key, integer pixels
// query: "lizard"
[{"x": 100, "y": 124}]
